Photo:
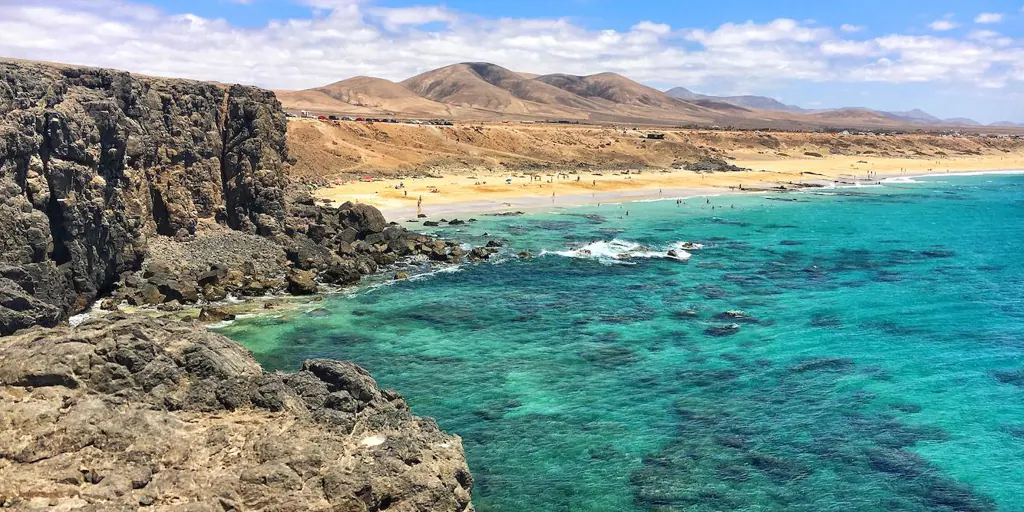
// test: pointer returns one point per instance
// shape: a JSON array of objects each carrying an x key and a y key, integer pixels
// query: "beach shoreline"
[{"x": 483, "y": 193}]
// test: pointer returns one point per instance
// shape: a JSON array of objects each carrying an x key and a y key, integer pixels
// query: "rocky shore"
[
  {"x": 125, "y": 412},
  {"x": 162, "y": 193}
]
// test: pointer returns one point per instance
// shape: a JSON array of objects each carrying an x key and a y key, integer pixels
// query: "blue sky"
[{"x": 951, "y": 58}]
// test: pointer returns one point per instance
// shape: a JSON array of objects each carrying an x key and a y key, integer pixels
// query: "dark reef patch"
[
  {"x": 792, "y": 439},
  {"x": 1014, "y": 376}
]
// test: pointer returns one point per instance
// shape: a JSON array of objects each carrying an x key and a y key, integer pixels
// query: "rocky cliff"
[
  {"x": 96, "y": 165},
  {"x": 93, "y": 161},
  {"x": 127, "y": 412}
]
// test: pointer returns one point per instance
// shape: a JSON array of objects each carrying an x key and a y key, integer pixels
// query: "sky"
[{"x": 949, "y": 58}]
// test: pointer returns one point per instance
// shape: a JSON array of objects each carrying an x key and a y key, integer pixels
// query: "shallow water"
[{"x": 878, "y": 363}]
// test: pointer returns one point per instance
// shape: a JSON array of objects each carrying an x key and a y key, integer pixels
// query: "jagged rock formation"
[
  {"x": 95, "y": 164},
  {"x": 92, "y": 161},
  {"x": 127, "y": 412}
]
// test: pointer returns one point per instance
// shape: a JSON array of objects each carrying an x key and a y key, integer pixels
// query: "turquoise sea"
[{"x": 878, "y": 363}]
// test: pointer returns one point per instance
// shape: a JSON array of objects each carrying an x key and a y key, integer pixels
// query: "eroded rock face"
[
  {"x": 127, "y": 412},
  {"x": 92, "y": 161}
]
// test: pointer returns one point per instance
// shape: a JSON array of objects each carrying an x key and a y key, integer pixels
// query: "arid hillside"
[
  {"x": 321, "y": 151},
  {"x": 484, "y": 92}
]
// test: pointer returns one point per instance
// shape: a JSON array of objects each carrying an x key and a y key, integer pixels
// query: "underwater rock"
[
  {"x": 1014, "y": 376},
  {"x": 823, "y": 364},
  {"x": 826, "y": 320},
  {"x": 610, "y": 356},
  {"x": 686, "y": 314},
  {"x": 722, "y": 330},
  {"x": 736, "y": 316},
  {"x": 908, "y": 408},
  {"x": 938, "y": 254}
]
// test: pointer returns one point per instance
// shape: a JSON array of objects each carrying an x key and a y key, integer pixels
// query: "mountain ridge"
[{"x": 482, "y": 91}]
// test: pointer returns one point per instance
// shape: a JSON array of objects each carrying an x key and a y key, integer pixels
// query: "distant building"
[{"x": 656, "y": 136}]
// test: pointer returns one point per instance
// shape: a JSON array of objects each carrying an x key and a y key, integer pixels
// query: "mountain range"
[
  {"x": 914, "y": 116},
  {"x": 487, "y": 92}
]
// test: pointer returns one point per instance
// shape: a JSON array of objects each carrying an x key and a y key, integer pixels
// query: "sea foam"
[{"x": 622, "y": 251}]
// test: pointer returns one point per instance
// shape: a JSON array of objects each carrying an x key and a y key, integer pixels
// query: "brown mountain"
[
  {"x": 381, "y": 94},
  {"x": 479, "y": 91},
  {"x": 491, "y": 87},
  {"x": 615, "y": 89}
]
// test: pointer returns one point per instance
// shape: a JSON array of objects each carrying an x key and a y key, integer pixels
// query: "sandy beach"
[{"x": 486, "y": 191}]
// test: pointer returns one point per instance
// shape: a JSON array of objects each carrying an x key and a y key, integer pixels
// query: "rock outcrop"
[
  {"x": 104, "y": 175},
  {"x": 121, "y": 413},
  {"x": 92, "y": 161}
]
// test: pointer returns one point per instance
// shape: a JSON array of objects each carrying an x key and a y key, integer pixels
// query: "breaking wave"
[
  {"x": 900, "y": 180},
  {"x": 623, "y": 251}
]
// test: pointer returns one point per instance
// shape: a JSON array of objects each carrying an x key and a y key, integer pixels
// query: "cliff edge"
[
  {"x": 92, "y": 161},
  {"x": 126, "y": 412}
]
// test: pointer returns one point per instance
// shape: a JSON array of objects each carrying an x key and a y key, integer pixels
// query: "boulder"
[
  {"x": 302, "y": 282},
  {"x": 20, "y": 310},
  {"x": 214, "y": 293},
  {"x": 181, "y": 288},
  {"x": 215, "y": 314},
  {"x": 341, "y": 273},
  {"x": 213, "y": 276},
  {"x": 362, "y": 218},
  {"x": 307, "y": 254},
  {"x": 479, "y": 254}
]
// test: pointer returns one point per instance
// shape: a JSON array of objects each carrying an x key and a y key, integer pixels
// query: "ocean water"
[{"x": 843, "y": 349}]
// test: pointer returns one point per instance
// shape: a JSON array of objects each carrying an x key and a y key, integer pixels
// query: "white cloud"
[
  {"x": 650, "y": 26},
  {"x": 850, "y": 48},
  {"x": 345, "y": 38},
  {"x": 989, "y": 17},
  {"x": 942, "y": 25},
  {"x": 395, "y": 18},
  {"x": 846, "y": 27}
]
